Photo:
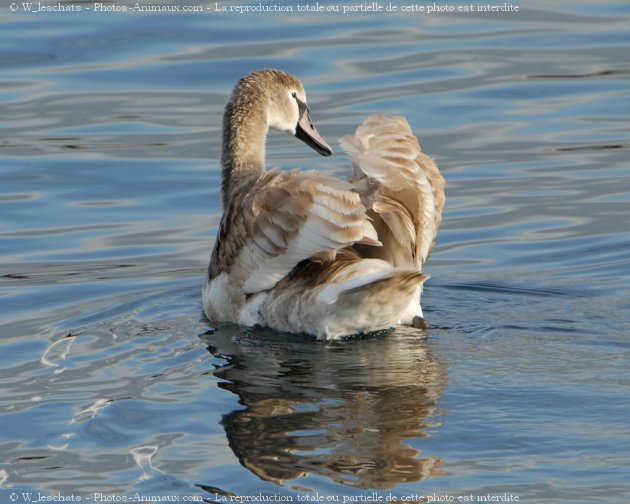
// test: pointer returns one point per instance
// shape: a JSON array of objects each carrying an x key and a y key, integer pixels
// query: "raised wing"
[
  {"x": 282, "y": 218},
  {"x": 401, "y": 187}
]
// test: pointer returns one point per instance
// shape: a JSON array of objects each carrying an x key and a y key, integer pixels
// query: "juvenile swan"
[{"x": 303, "y": 252}]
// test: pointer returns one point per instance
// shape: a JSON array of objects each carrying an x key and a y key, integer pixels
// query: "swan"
[{"x": 304, "y": 252}]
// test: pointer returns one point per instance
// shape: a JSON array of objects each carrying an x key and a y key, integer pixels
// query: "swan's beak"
[{"x": 306, "y": 132}]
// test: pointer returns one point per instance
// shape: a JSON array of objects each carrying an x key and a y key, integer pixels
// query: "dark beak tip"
[
  {"x": 313, "y": 140},
  {"x": 323, "y": 150}
]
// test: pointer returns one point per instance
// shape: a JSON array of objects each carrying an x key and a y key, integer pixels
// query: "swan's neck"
[{"x": 244, "y": 136}]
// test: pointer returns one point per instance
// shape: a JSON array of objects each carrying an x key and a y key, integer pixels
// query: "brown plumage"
[{"x": 304, "y": 252}]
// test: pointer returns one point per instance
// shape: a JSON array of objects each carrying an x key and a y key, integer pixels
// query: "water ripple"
[{"x": 109, "y": 190}]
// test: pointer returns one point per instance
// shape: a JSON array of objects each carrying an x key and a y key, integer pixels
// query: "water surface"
[{"x": 112, "y": 382}]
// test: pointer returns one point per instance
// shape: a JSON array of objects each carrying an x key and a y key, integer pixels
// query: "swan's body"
[{"x": 300, "y": 251}]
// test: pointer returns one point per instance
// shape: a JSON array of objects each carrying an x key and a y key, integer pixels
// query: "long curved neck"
[{"x": 244, "y": 136}]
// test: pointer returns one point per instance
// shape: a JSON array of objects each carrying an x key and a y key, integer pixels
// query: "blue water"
[{"x": 112, "y": 384}]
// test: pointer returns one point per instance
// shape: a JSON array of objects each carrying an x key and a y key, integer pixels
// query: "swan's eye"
[{"x": 294, "y": 94}]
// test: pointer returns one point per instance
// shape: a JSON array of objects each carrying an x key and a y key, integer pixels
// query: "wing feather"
[
  {"x": 282, "y": 218},
  {"x": 401, "y": 187}
]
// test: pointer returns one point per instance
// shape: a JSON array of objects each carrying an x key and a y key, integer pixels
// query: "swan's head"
[{"x": 287, "y": 109}]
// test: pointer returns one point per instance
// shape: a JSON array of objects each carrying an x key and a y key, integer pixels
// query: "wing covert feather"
[{"x": 282, "y": 218}]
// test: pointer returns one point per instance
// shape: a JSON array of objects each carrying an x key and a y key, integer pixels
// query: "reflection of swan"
[
  {"x": 343, "y": 410},
  {"x": 301, "y": 251}
]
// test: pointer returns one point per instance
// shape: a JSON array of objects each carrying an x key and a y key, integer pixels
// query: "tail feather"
[{"x": 372, "y": 302}]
